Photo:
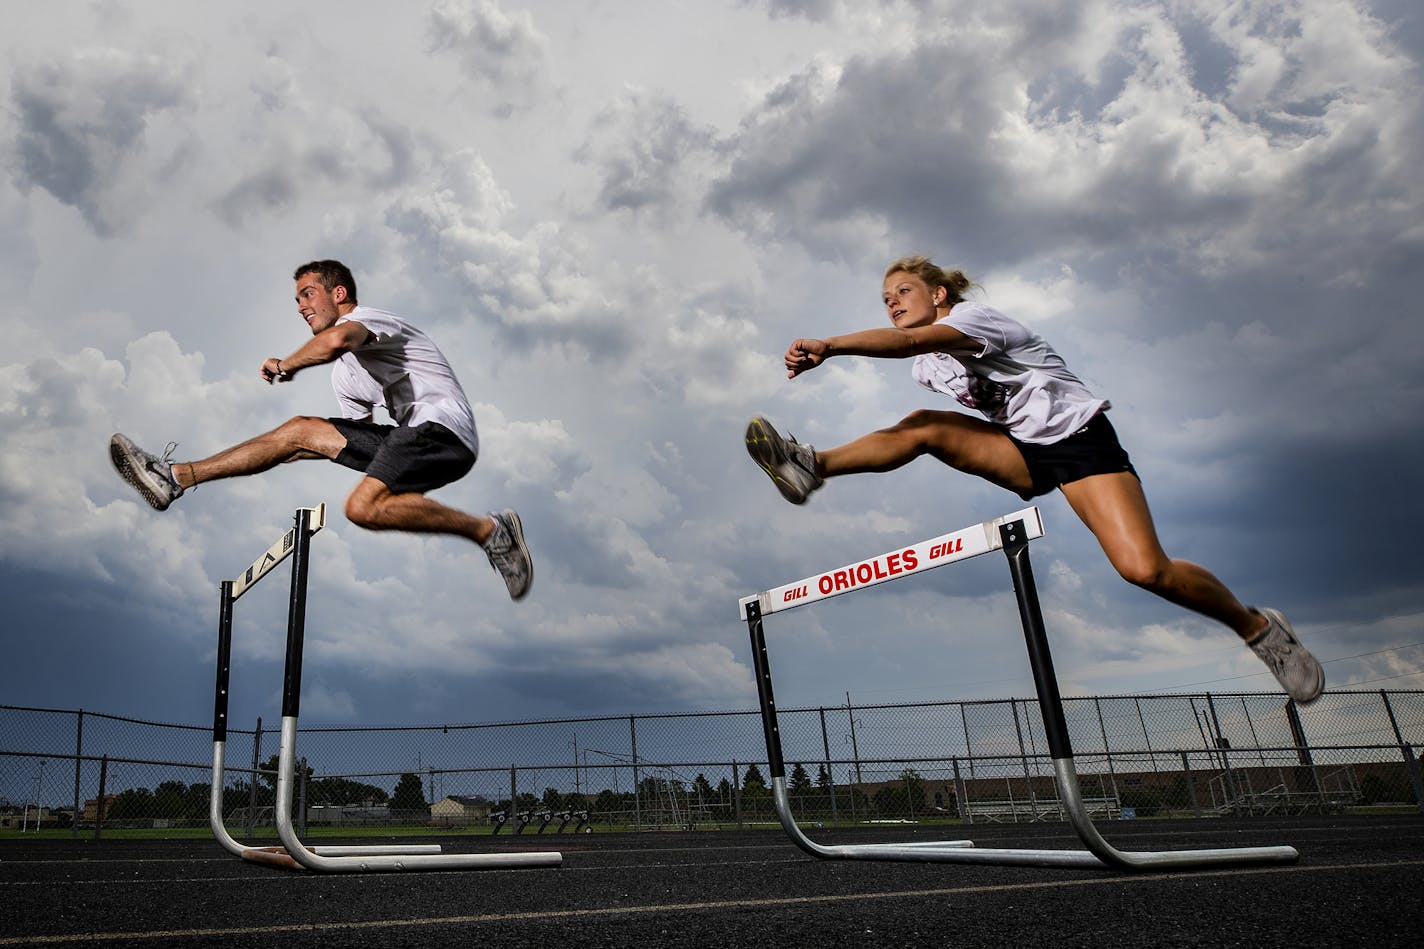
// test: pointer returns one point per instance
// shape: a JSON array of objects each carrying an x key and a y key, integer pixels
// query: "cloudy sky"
[{"x": 613, "y": 217}]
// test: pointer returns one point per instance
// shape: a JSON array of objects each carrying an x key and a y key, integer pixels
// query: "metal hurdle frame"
[
  {"x": 293, "y": 854},
  {"x": 1010, "y": 533},
  {"x": 229, "y": 592}
]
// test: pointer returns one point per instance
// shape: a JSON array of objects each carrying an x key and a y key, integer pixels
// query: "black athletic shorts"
[
  {"x": 406, "y": 459},
  {"x": 1091, "y": 450}
]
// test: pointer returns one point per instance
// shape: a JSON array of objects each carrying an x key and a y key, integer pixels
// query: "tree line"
[{"x": 811, "y": 796}]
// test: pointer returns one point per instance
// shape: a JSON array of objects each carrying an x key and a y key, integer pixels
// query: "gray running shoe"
[
  {"x": 790, "y": 464},
  {"x": 1298, "y": 672},
  {"x": 151, "y": 475},
  {"x": 508, "y": 555}
]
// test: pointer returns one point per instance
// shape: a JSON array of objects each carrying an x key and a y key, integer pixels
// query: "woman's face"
[{"x": 909, "y": 301}]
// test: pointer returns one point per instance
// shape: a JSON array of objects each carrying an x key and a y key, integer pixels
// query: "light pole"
[
  {"x": 576, "y": 765},
  {"x": 854, "y": 747},
  {"x": 39, "y": 808}
]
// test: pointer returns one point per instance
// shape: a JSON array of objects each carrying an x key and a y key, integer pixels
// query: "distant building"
[
  {"x": 91, "y": 807},
  {"x": 26, "y": 817},
  {"x": 457, "y": 810}
]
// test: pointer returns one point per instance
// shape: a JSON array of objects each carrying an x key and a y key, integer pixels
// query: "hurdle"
[
  {"x": 1011, "y": 534},
  {"x": 230, "y": 591},
  {"x": 578, "y": 818},
  {"x": 293, "y": 854}
]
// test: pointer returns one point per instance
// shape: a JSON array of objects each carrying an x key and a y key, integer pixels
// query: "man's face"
[{"x": 318, "y": 305}]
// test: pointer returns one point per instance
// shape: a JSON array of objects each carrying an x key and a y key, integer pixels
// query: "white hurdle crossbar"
[
  {"x": 293, "y": 854},
  {"x": 1011, "y": 534}
]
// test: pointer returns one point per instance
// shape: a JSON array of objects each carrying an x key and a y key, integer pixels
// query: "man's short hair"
[{"x": 331, "y": 274}]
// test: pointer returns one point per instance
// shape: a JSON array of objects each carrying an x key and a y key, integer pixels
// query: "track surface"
[{"x": 1360, "y": 881}]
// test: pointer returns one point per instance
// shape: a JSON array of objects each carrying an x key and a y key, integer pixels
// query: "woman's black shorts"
[{"x": 1091, "y": 450}]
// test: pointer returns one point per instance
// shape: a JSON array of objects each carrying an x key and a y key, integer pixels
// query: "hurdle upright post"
[{"x": 1055, "y": 726}]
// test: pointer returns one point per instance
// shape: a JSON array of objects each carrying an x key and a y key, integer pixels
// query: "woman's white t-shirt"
[
  {"x": 1016, "y": 379},
  {"x": 401, "y": 368}
]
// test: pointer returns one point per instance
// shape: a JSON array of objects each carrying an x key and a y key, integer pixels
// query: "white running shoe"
[
  {"x": 508, "y": 554},
  {"x": 1298, "y": 672},
  {"x": 151, "y": 475},
  {"x": 790, "y": 464}
]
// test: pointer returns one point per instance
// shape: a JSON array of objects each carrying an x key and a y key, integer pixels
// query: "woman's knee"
[
  {"x": 925, "y": 428},
  {"x": 1145, "y": 571},
  {"x": 924, "y": 419},
  {"x": 953, "y": 438}
]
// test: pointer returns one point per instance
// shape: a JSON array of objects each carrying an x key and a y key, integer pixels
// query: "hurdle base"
[
  {"x": 1066, "y": 775},
  {"x": 278, "y": 856},
  {"x": 377, "y": 863},
  {"x": 1100, "y": 855},
  {"x": 265, "y": 854},
  {"x": 271, "y": 857}
]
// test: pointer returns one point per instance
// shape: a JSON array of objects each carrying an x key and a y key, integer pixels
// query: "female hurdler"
[{"x": 1045, "y": 430}]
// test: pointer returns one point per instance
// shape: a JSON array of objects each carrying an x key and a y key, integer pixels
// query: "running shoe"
[
  {"x": 1298, "y": 672},
  {"x": 790, "y": 464},
  {"x": 508, "y": 555},
  {"x": 151, "y": 475}
]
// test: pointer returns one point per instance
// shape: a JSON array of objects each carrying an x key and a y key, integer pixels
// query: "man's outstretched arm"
[{"x": 324, "y": 347}]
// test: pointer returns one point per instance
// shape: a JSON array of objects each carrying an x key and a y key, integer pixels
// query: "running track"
[{"x": 1360, "y": 882}]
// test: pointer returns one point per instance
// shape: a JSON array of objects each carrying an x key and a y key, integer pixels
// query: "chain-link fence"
[{"x": 1137, "y": 756}]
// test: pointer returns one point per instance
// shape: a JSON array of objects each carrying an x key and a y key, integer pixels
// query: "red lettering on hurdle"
[
  {"x": 948, "y": 547},
  {"x": 795, "y": 593},
  {"x": 871, "y": 571}
]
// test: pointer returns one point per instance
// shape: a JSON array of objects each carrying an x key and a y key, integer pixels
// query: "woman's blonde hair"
[{"x": 955, "y": 283}]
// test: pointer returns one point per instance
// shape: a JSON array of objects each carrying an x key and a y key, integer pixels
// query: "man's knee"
[
  {"x": 310, "y": 436},
  {"x": 304, "y": 427},
  {"x": 363, "y": 511},
  {"x": 365, "y": 506}
]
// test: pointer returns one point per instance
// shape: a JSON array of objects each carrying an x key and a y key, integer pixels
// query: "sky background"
[{"x": 613, "y": 218}]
